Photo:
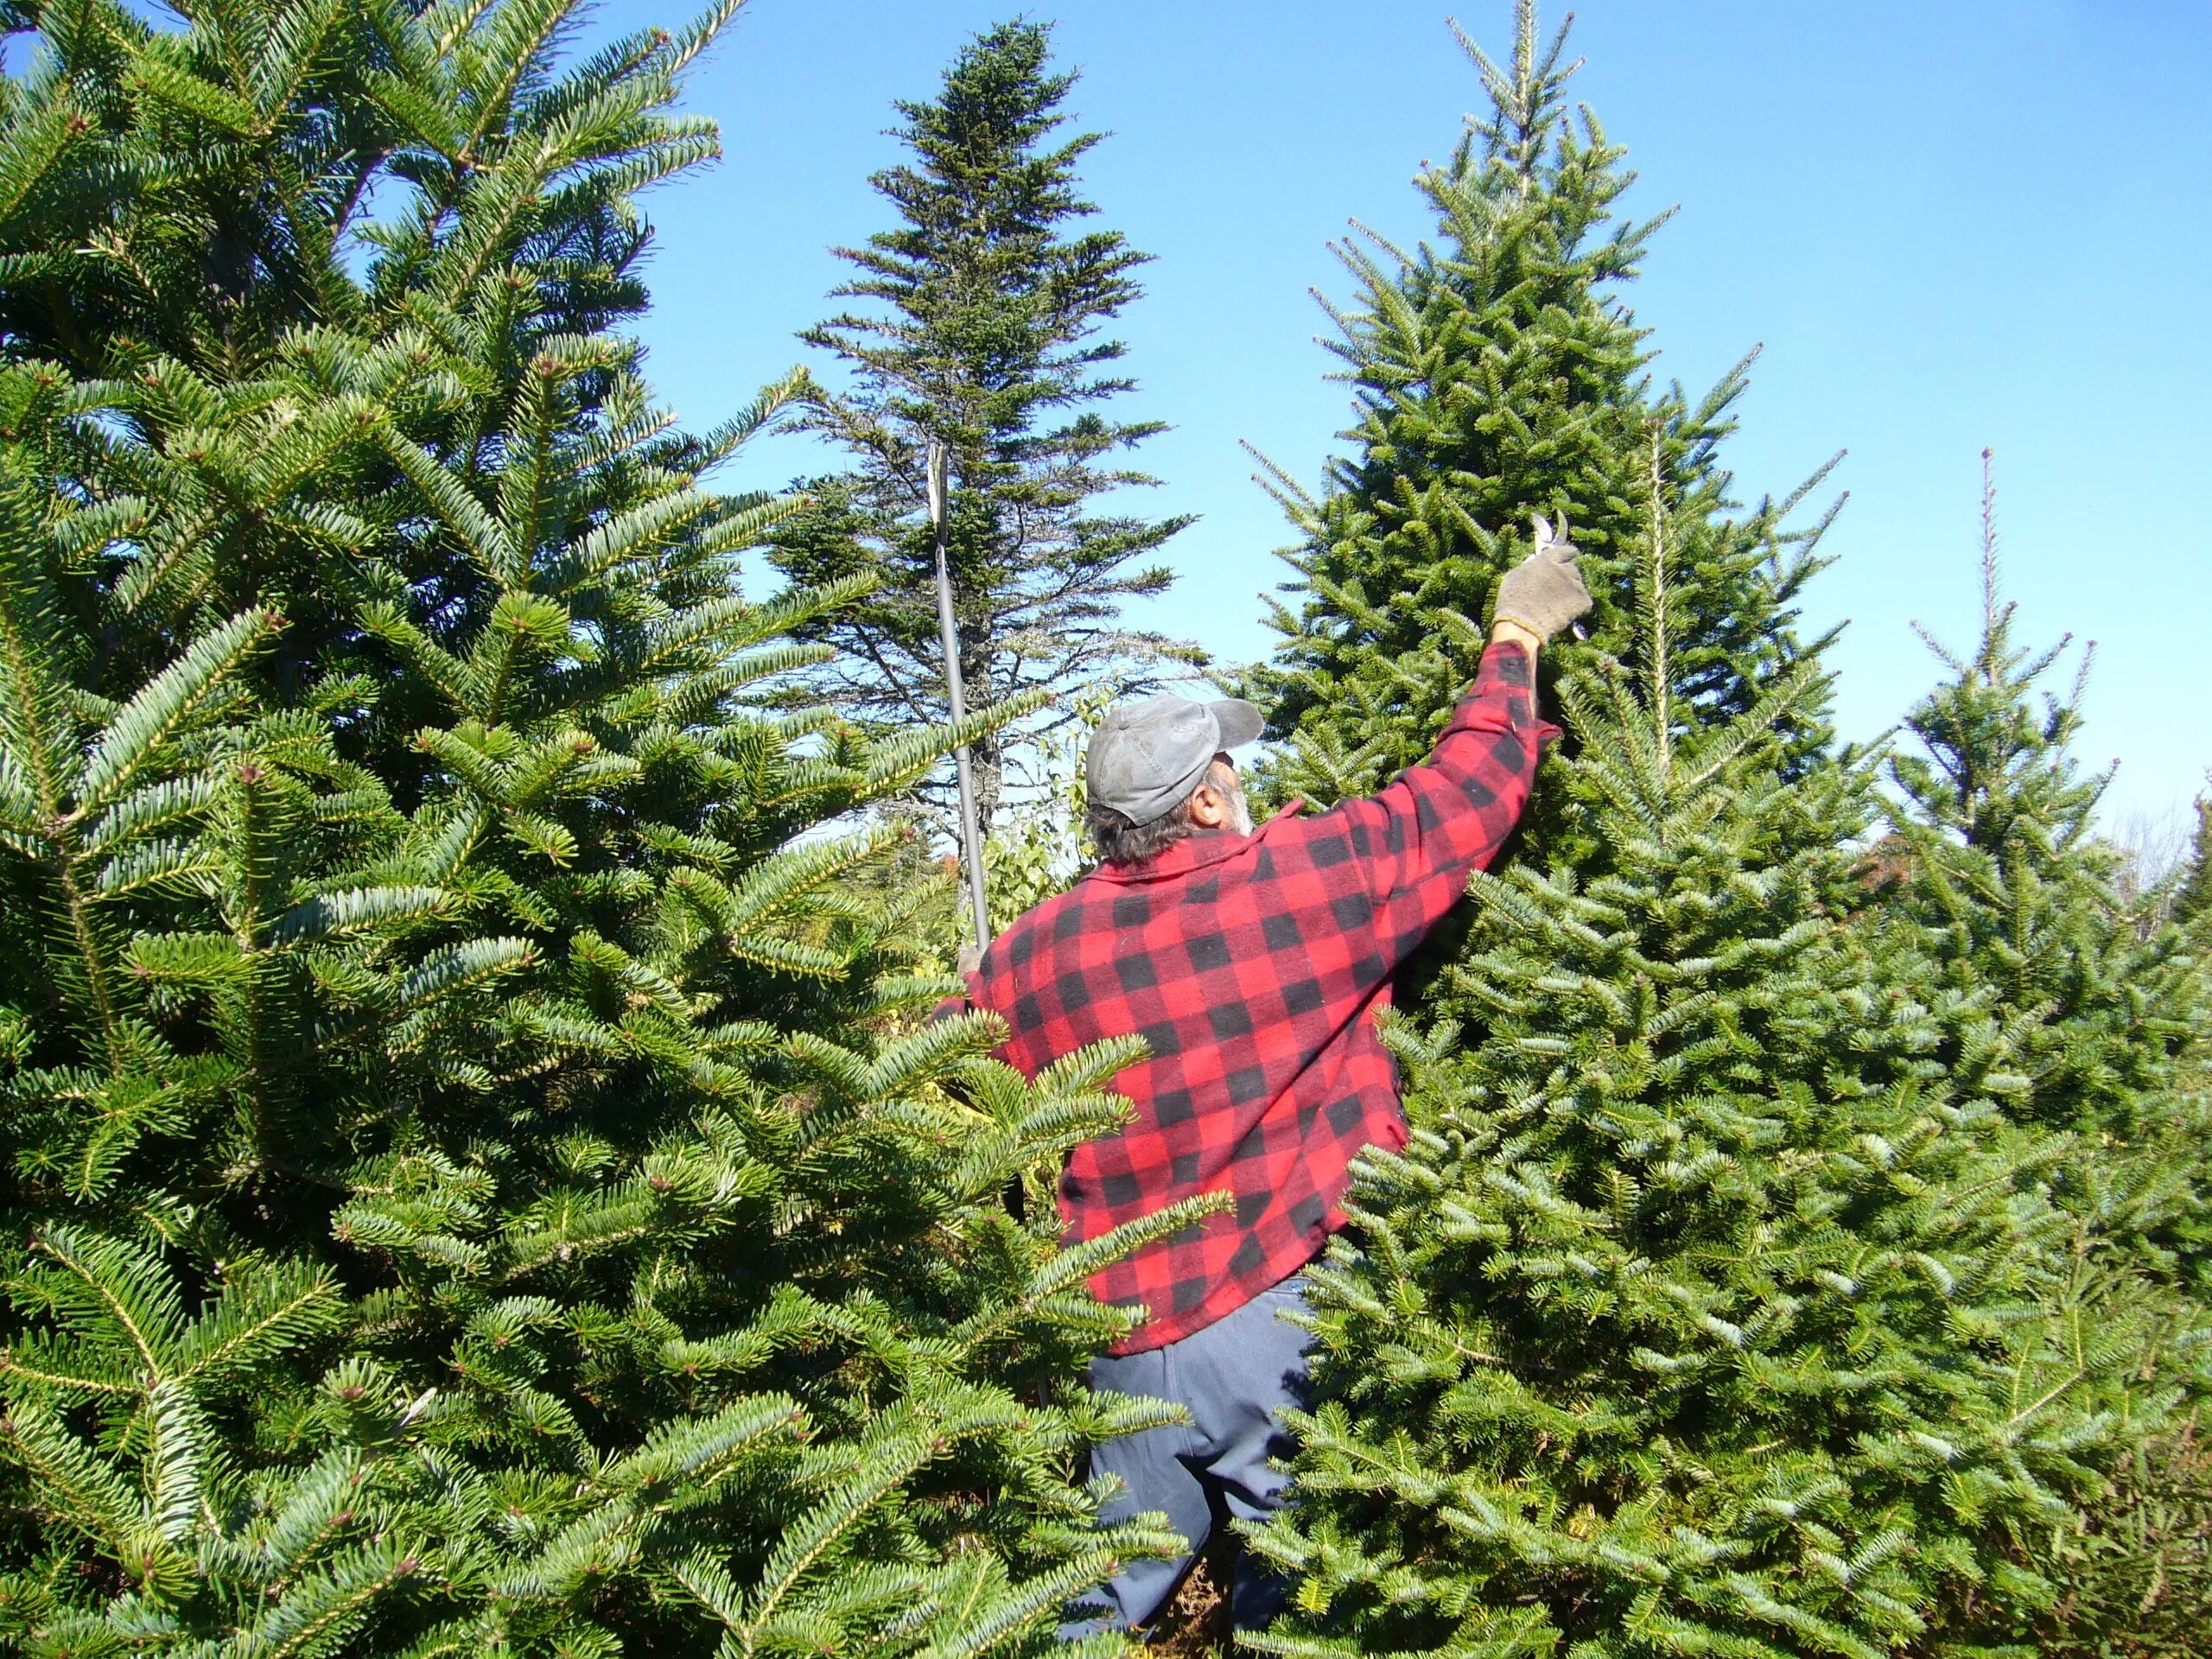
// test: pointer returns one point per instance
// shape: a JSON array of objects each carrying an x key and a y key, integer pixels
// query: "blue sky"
[{"x": 1950, "y": 224}]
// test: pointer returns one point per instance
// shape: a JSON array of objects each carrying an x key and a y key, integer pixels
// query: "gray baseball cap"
[{"x": 1146, "y": 758}]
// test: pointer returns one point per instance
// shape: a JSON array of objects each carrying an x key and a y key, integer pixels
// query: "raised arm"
[{"x": 1418, "y": 840}]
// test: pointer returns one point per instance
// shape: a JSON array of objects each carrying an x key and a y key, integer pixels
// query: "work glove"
[{"x": 1544, "y": 592}]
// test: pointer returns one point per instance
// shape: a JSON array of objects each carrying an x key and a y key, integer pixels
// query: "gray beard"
[{"x": 1240, "y": 814}]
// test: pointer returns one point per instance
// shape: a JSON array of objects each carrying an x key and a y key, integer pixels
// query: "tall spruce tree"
[
  {"x": 984, "y": 334},
  {"x": 1707, "y": 1309},
  {"x": 481, "y": 1184}
]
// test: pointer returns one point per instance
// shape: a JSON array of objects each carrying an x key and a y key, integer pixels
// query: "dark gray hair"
[{"x": 1119, "y": 842}]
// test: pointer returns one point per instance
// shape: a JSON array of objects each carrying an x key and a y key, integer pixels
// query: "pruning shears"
[{"x": 1549, "y": 542}]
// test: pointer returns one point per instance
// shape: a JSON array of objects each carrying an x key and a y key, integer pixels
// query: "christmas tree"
[
  {"x": 1705, "y": 1311},
  {"x": 2021, "y": 912},
  {"x": 2016, "y": 897},
  {"x": 1715, "y": 1306},
  {"x": 2193, "y": 892},
  {"x": 483, "y": 1181},
  {"x": 983, "y": 334}
]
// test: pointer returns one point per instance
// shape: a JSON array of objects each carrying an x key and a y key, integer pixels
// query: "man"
[{"x": 1252, "y": 964}]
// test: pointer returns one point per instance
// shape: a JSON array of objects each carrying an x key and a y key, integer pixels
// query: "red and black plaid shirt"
[{"x": 1252, "y": 966}]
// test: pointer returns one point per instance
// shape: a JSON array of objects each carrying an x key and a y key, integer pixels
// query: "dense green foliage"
[
  {"x": 983, "y": 332},
  {"x": 482, "y": 1183},
  {"x": 478, "y": 1174}
]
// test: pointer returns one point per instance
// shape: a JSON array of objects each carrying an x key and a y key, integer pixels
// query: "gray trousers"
[{"x": 1231, "y": 1376}]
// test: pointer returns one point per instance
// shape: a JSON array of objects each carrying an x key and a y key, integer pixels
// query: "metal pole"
[{"x": 971, "y": 839}]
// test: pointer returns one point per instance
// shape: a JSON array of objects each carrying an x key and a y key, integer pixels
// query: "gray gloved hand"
[{"x": 1544, "y": 592}]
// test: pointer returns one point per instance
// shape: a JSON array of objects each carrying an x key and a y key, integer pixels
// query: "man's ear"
[{"x": 1209, "y": 807}]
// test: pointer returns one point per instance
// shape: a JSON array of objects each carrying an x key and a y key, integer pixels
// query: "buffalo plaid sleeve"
[
  {"x": 1417, "y": 841},
  {"x": 965, "y": 1001}
]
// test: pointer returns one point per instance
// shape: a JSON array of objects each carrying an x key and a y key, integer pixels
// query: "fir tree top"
[
  {"x": 2004, "y": 867},
  {"x": 996, "y": 308},
  {"x": 1497, "y": 374}
]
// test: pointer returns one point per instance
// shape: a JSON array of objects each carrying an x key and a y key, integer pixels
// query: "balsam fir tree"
[
  {"x": 1497, "y": 374},
  {"x": 1706, "y": 1310},
  {"x": 983, "y": 333},
  {"x": 2005, "y": 889},
  {"x": 482, "y": 1181}
]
